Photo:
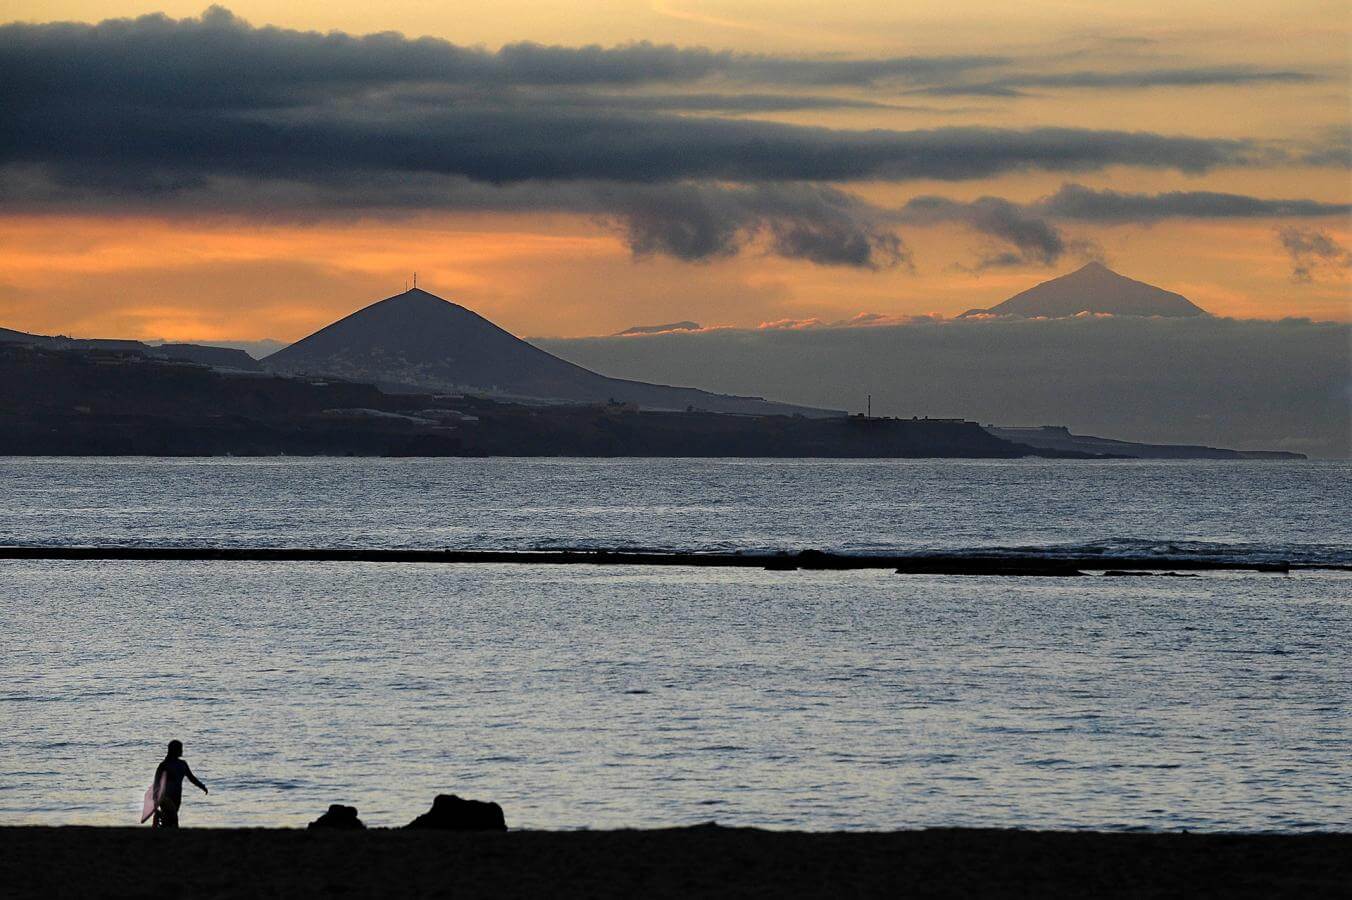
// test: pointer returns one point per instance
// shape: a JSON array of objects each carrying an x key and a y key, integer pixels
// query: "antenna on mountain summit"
[{"x": 415, "y": 281}]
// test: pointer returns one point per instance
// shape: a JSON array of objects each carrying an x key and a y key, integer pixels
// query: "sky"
[{"x": 171, "y": 171}]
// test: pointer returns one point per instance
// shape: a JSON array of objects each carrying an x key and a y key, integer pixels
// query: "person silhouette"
[{"x": 169, "y": 777}]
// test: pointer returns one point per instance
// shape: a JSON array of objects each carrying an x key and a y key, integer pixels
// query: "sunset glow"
[{"x": 188, "y": 243}]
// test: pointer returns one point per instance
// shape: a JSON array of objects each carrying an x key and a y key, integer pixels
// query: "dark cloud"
[
  {"x": 857, "y": 72},
  {"x": 687, "y": 225},
  {"x": 1333, "y": 147},
  {"x": 701, "y": 222},
  {"x": 1027, "y": 234},
  {"x": 151, "y": 105},
  {"x": 1034, "y": 239},
  {"x": 1285, "y": 384},
  {"x": 1077, "y": 202},
  {"x": 970, "y": 89},
  {"x": 730, "y": 103},
  {"x": 832, "y": 242},
  {"x": 138, "y": 149},
  {"x": 213, "y": 116},
  {"x": 1312, "y": 250},
  {"x": 1016, "y": 84},
  {"x": 221, "y": 59}
]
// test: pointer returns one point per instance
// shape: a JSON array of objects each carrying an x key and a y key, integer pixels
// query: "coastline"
[
  {"x": 703, "y": 860},
  {"x": 1005, "y": 563}
]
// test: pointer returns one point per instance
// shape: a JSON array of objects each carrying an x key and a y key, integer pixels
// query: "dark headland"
[
  {"x": 703, "y": 861},
  {"x": 113, "y": 403},
  {"x": 1058, "y": 437}
]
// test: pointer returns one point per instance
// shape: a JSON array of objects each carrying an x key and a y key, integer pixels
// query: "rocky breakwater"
[
  {"x": 452, "y": 813},
  {"x": 338, "y": 816},
  {"x": 448, "y": 813}
]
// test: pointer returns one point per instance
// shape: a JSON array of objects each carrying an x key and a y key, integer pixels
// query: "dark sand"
[{"x": 692, "y": 862}]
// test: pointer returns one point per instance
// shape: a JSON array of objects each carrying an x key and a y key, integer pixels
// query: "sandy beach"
[{"x": 689, "y": 862}]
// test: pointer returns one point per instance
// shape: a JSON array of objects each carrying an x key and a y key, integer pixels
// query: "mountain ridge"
[
  {"x": 202, "y": 354},
  {"x": 417, "y": 339}
]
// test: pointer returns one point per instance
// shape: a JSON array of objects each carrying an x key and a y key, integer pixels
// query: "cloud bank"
[
  {"x": 1242, "y": 384},
  {"x": 1031, "y": 234},
  {"x": 1017, "y": 84},
  {"x": 214, "y": 116},
  {"x": 231, "y": 61}
]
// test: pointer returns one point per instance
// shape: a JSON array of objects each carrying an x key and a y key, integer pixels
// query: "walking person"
[{"x": 168, "y": 786}]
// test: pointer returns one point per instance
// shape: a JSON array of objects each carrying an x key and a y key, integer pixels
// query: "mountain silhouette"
[
  {"x": 418, "y": 340},
  {"x": 1092, "y": 289},
  {"x": 217, "y": 357}
]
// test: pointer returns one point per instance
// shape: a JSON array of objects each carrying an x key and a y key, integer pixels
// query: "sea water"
[{"x": 591, "y": 697}]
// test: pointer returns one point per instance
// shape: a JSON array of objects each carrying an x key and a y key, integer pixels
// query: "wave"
[
  {"x": 1309, "y": 554},
  {"x": 1312, "y": 554},
  {"x": 1210, "y": 551}
]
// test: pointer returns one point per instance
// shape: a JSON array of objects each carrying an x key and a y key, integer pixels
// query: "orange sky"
[{"x": 206, "y": 275}]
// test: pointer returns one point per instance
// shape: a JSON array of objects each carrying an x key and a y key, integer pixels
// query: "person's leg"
[{"x": 167, "y": 816}]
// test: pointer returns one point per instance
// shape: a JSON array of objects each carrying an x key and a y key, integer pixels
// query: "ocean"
[{"x": 604, "y": 697}]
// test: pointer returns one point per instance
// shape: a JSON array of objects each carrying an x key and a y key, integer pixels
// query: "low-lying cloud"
[{"x": 1223, "y": 382}]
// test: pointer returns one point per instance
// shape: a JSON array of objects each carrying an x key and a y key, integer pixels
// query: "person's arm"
[{"x": 193, "y": 778}]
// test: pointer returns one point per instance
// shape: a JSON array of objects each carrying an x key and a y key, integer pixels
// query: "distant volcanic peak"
[
  {"x": 1096, "y": 274},
  {"x": 415, "y": 320},
  {"x": 414, "y": 302},
  {"x": 412, "y": 296},
  {"x": 1094, "y": 289},
  {"x": 418, "y": 339},
  {"x": 417, "y": 326}
]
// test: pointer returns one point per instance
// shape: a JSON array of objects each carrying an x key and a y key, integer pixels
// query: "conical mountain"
[
  {"x": 416, "y": 339},
  {"x": 1093, "y": 289}
]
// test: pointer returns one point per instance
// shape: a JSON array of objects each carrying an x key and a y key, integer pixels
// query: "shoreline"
[
  {"x": 707, "y": 860},
  {"x": 1028, "y": 564}
]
